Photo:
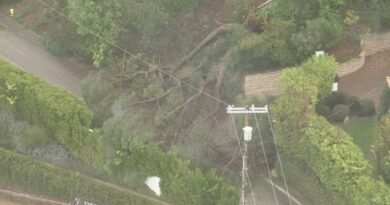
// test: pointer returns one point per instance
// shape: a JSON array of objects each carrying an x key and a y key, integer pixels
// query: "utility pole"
[{"x": 247, "y": 137}]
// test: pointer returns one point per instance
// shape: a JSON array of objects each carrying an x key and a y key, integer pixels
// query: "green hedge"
[
  {"x": 384, "y": 105},
  {"x": 180, "y": 183},
  {"x": 327, "y": 150},
  {"x": 28, "y": 175},
  {"x": 368, "y": 107},
  {"x": 305, "y": 181},
  {"x": 62, "y": 115}
]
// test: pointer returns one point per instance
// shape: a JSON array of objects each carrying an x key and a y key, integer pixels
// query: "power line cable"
[
  {"x": 250, "y": 187},
  {"x": 239, "y": 145},
  {"x": 327, "y": 117},
  {"x": 359, "y": 98},
  {"x": 266, "y": 160},
  {"x": 279, "y": 159},
  {"x": 309, "y": 126},
  {"x": 131, "y": 54}
]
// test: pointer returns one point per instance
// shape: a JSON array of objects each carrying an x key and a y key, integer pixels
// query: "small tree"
[
  {"x": 384, "y": 105},
  {"x": 368, "y": 107},
  {"x": 340, "y": 112}
]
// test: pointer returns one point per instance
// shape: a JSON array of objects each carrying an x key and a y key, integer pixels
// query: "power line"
[
  {"x": 359, "y": 98},
  {"x": 244, "y": 172},
  {"x": 250, "y": 187},
  {"x": 266, "y": 160},
  {"x": 133, "y": 55},
  {"x": 279, "y": 159},
  {"x": 327, "y": 117}
]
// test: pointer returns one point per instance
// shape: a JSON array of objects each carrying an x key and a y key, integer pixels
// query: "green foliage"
[
  {"x": 179, "y": 183},
  {"x": 307, "y": 183},
  {"x": 382, "y": 148},
  {"x": 328, "y": 151},
  {"x": 312, "y": 77},
  {"x": 318, "y": 34},
  {"x": 340, "y": 112},
  {"x": 293, "y": 31},
  {"x": 102, "y": 21},
  {"x": 32, "y": 176},
  {"x": 364, "y": 133},
  {"x": 272, "y": 47},
  {"x": 63, "y": 116},
  {"x": 9, "y": 127},
  {"x": 384, "y": 105},
  {"x": 135, "y": 24},
  {"x": 372, "y": 12},
  {"x": 58, "y": 32},
  {"x": 323, "y": 109},
  {"x": 99, "y": 94},
  {"x": 125, "y": 130},
  {"x": 350, "y": 18},
  {"x": 386, "y": 168},
  {"x": 30, "y": 138},
  {"x": 8, "y": 1},
  {"x": 368, "y": 107},
  {"x": 174, "y": 6},
  {"x": 336, "y": 98}
]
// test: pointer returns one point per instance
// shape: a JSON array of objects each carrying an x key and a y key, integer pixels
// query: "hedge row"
[
  {"x": 337, "y": 162},
  {"x": 298, "y": 174},
  {"x": 179, "y": 182},
  {"x": 29, "y": 175},
  {"x": 62, "y": 115}
]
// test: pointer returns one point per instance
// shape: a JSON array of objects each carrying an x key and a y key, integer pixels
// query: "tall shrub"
[
  {"x": 64, "y": 116},
  {"x": 328, "y": 151}
]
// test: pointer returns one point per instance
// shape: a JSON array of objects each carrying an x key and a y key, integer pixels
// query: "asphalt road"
[{"x": 26, "y": 50}]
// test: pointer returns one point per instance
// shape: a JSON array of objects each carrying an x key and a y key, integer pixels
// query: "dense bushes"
[
  {"x": 179, "y": 183},
  {"x": 31, "y": 138},
  {"x": 368, "y": 107},
  {"x": 9, "y": 127},
  {"x": 382, "y": 148},
  {"x": 63, "y": 116},
  {"x": 330, "y": 153},
  {"x": 300, "y": 176},
  {"x": 67, "y": 119},
  {"x": 292, "y": 32},
  {"x": 340, "y": 112},
  {"x": 356, "y": 106},
  {"x": 384, "y": 105},
  {"x": 28, "y": 175}
]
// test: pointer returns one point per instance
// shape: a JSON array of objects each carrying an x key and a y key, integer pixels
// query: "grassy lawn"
[{"x": 363, "y": 131}]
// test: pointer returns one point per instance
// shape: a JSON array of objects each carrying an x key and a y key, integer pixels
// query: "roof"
[{"x": 264, "y": 83}]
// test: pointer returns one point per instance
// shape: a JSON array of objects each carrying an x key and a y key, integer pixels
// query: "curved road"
[{"x": 26, "y": 50}]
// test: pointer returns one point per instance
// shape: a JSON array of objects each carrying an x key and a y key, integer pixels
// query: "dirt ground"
[
  {"x": 368, "y": 81},
  {"x": 5, "y": 202},
  {"x": 345, "y": 50}
]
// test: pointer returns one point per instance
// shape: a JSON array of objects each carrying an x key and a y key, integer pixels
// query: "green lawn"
[{"x": 363, "y": 132}]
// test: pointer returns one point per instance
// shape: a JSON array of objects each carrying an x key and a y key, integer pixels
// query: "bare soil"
[
  {"x": 369, "y": 81},
  {"x": 5, "y": 202},
  {"x": 345, "y": 50}
]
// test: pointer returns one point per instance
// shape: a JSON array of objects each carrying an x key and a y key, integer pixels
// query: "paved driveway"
[{"x": 26, "y": 49}]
